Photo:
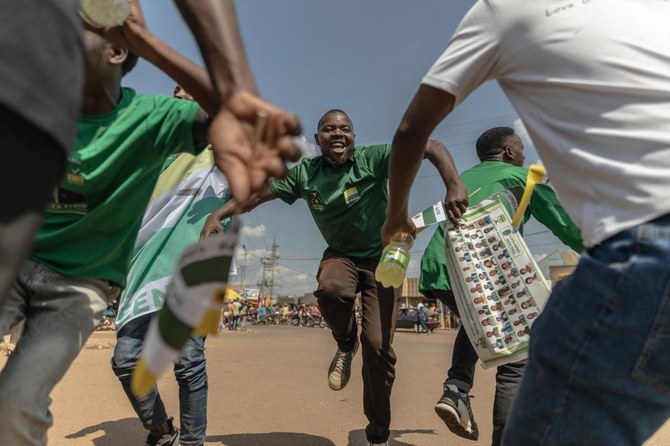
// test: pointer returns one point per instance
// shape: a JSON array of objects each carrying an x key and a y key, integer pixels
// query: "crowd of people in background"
[{"x": 235, "y": 315}]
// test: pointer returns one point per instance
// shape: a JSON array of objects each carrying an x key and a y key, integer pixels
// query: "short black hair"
[
  {"x": 330, "y": 112},
  {"x": 493, "y": 141},
  {"x": 129, "y": 63}
]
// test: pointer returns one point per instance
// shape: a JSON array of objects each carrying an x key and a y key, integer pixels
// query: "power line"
[
  {"x": 545, "y": 244},
  {"x": 447, "y": 126},
  {"x": 546, "y": 231}
]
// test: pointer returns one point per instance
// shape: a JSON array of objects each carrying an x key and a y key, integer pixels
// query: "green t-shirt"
[
  {"x": 491, "y": 177},
  {"x": 348, "y": 203},
  {"x": 90, "y": 226}
]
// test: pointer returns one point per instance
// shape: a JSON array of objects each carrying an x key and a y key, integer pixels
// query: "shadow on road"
[
  {"x": 115, "y": 432},
  {"x": 357, "y": 437},
  {"x": 270, "y": 439},
  {"x": 125, "y": 430}
]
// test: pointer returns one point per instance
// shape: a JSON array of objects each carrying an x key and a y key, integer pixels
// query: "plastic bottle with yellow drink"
[
  {"x": 104, "y": 13},
  {"x": 394, "y": 261}
]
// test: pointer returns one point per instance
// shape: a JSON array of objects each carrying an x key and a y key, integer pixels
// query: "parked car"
[{"x": 407, "y": 319}]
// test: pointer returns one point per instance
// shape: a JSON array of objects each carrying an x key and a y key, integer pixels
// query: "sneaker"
[
  {"x": 164, "y": 435},
  {"x": 340, "y": 369},
  {"x": 454, "y": 409},
  {"x": 386, "y": 443}
]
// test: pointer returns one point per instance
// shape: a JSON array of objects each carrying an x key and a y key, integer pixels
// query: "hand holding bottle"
[{"x": 394, "y": 261}]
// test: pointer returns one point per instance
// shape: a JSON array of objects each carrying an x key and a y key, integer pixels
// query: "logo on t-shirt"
[
  {"x": 351, "y": 195},
  {"x": 315, "y": 202},
  {"x": 65, "y": 201}
]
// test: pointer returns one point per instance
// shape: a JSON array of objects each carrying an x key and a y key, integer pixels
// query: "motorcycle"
[{"x": 107, "y": 320}]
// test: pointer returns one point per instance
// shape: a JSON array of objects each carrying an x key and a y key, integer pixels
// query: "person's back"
[
  {"x": 603, "y": 87},
  {"x": 498, "y": 171},
  {"x": 501, "y": 151},
  {"x": 42, "y": 77}
]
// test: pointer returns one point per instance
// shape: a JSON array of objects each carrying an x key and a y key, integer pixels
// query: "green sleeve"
[
  {"x": 434, "y": 264},
  {"x": 288, "y": 189},
  {"x": 546, "y": 208},
  {"x": 174, "y": 120},
  {"x": 377, "y": 158}
]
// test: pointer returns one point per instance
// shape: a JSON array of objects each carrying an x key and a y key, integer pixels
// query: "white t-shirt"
[{"x": 591, "y": 80}]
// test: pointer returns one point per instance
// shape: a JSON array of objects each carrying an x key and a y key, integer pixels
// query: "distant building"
[
  {"x": 281, "y": 300},
  {"x": 558, "y": 264},
  {"x": 308, "y": 298},
  {"x": 409, "y": 293}
]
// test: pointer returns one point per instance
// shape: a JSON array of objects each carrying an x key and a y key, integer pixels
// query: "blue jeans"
[
  {"x": 191, "y": 376},
  {"x": 599, "y": 365},
  {"x": 60, "y": 313}
]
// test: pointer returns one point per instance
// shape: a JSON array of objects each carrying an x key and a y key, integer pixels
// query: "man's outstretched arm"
[
  {"x": 456, "y": 200},
  {"x": 213, "y": 222}
]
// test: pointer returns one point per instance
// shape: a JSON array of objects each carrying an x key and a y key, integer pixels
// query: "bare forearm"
[
  {"x": 227, "y": 210},
  {"x": 404, "y": 163},
  {"x": 214, "y": 25},
  {"x": 232, "y": 207},
  {"x": 428, "y": 107},
  {"x": 186, "y": 73},
  {"x": 441, "y": 158}
]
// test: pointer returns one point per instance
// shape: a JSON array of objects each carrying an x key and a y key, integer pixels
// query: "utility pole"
[
  {"x": 261, "y": 285},
  {"x": 269, "y": 263},
  {"x": 244, "y": 268},
  {"x": 273, "y": 259}
]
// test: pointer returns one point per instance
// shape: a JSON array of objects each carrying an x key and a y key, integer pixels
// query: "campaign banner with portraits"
[{"x": 498, "y": 286}]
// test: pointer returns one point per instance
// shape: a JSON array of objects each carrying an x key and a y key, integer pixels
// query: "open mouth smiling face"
[{"x": 336, "y": 137}]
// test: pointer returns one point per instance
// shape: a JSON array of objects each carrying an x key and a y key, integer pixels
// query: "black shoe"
[
  {"x": 339, "y": 371},
  {"x": 454, "y": 409},
  {"x": 164, "y": 435}
]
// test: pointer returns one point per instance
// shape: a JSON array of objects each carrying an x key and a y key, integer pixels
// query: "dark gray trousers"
[
  {"x": 340, "y": 279},
  {"x": 31, "y": 163}
]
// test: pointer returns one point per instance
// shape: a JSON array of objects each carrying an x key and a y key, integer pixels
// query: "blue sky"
[{"x": 366, "y": 57}]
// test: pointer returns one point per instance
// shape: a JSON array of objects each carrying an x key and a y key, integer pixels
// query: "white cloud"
[
  {"x": 520, "y": 129},
  {"x": 293, "y": 275},
  {"x": 286, "y": 280},
  {"x": 294, "y": 281},
  {"x": 529, "y": 147},
  {"x": 253, "y": 231},
  {"x": 252, "y": 254}
]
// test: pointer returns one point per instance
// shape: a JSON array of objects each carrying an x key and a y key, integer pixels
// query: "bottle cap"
[
  {"x": 403, "y": 237},
  {"x": 104, "y": 13}
]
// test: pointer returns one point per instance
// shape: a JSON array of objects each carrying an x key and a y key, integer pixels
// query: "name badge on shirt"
[{"x": 351, "y": 195}]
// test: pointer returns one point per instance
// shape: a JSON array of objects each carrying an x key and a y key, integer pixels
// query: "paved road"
[{"x": 268, "y": 388}]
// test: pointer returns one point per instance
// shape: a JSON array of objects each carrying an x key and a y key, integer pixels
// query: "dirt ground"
[{"x": 267, "y": 387}]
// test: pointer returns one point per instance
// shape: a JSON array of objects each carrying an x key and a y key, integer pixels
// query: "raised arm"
[
  {"x": 251, "y": 137},
  {"x": 215, "y": 28},
  {"x": 247, "y": 159},
  {"x": 456, "y": 200},
  {"x": 230, "y": 208},
  {"x": 427, "y": 109},
  {"x": 136, "y": 37}
]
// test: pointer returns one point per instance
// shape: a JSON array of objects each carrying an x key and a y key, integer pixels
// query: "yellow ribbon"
[{"x": 535, "y": 175}]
